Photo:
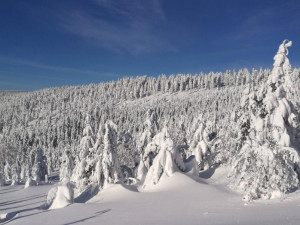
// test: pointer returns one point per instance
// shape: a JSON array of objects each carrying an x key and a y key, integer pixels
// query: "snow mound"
[
  {"x": 218, "y": 174},
  {"x": 176, "y": 181},
  {"x": 114, "y": 193},
  {"x": 60, "y": 196}
]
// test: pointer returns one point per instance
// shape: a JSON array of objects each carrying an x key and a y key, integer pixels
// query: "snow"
[
  {"x": 29, "y": 183},
  {"x": 180, "y": 199},
  {"x": 64, "y": 196},
  {"x": 251, "y": 152}
]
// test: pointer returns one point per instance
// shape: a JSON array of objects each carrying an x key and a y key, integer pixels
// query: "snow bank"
[{"x": 114, "y": 193}]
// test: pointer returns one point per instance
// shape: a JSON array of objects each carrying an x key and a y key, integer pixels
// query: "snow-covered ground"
[{"x": 180, "y": 199}]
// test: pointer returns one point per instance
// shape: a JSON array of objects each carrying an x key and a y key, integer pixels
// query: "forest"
[{"x": 131, "y": 129}]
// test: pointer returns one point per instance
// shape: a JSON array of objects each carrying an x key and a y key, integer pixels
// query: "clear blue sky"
[{"x": 70, "y": 42}]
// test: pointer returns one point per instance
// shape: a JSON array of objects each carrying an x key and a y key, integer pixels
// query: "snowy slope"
[{"x": 179, "y": 199}]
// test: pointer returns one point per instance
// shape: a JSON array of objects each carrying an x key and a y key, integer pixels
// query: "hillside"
[
  {"x": 182, "y": 144},
  {"x": 53, "y": 119}
]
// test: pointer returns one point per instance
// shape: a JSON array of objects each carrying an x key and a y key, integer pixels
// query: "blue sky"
[{"x": 70, "y": 42}]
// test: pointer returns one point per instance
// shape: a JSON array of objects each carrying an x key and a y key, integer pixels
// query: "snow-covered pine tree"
[
  {"x": 7, "y": 171},
  {"x": 127, "y": 153},
  {"x": 2, "y": 179},
  {"x": 166, "y": 161},
  {"x": 40, "y": 166},
  {"x": 267, "y": 162},
  {"x": 150, "y": 128},
  {"x": 67, "y": 164},
  {"x": 15, "y": 178},
  {"x": 108, "y": 169},
  {"x": 80, "y": 175},
  {"x": 93, "y": 165},
  {"x": 203, "y": 144}
]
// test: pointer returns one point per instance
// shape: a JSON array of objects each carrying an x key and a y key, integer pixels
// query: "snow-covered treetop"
[{"x": 281, "y": 63}]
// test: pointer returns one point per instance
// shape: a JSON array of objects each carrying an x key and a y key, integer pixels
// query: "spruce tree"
[
  {"x": 108, "y": 169},
  {"x": 266, "y": 164}
]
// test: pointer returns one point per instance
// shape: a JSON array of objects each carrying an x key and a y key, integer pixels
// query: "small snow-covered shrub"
[
  {"x": 60, "y": 196},
  {"x": 166, "y": 161}
]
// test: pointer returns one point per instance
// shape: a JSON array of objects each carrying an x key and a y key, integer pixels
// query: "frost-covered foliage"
[
  {"x": 55, "y": 118},
  {"x": 80, "y": 173},
  {"x": 162, "y": 158},
  {"x": 109, "y": 171},
  {"x": 60, "y": 196},
  {"x": 266, "y": 164},
  {"x": 204, "y": 143},
  {"x": 7, "y": 171},
  {"x": 40, "y": 166},
  {"x": 2, "y": 180},
  {"x": 149, "y": 130},
  {"x": 67, "y": 164}
]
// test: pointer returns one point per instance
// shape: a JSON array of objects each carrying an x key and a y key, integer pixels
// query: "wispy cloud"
[
  {"x": 6, "y": 85},
  {"x": 266, "y": 21},
  {"x": 125, "y": 26},
  {"x": 22, "y": 62}
]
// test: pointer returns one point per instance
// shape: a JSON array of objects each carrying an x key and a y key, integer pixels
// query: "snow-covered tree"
[
  {"x": 7, "y": 171},
  {"x": 203, "y": 144},
  {"x": 67, "y": 164},
  {"x": 108, "y": 169},
  {"x": 150, "y": 128},
  {"x": 80, "y": 175},
  {"x": 2, "y": 179},
  {"x": 94, "y": 157},
  {"x": 267, "y": 162},
  {"x": 15, "y": 178},
  {"x": 16, "y": 172},
  {"x": 166, "y": 158},
  {"x": 40, "y": 166}
]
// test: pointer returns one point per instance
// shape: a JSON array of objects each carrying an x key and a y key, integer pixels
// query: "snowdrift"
[{"x": 114, "y": 193}]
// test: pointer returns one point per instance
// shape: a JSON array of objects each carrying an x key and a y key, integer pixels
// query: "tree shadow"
[
  {"x": 11, "y": 189},
  {"x": 90, "y": 217},
  {"x": 207, "y": 173},
  {"x": 24, "y": 205},
  {"x": 130, "y": 187},
  {"x": 36, "y": 208},
  {"x": 86, "y": 195},
  {"x": 10, "y": 216},
  {"x": 21, "y": 200}
]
